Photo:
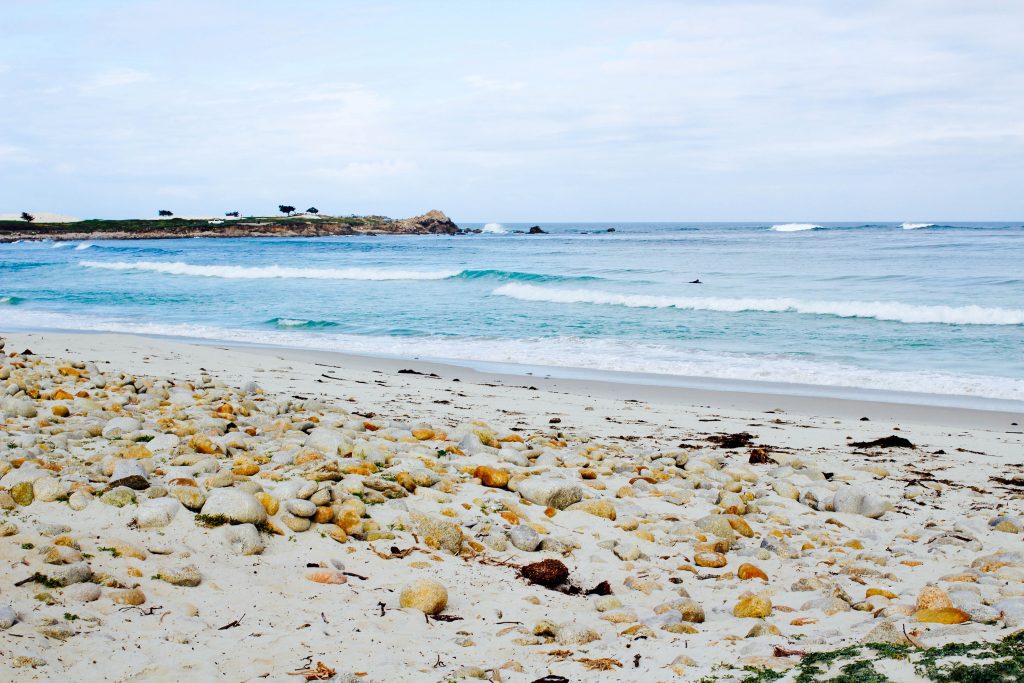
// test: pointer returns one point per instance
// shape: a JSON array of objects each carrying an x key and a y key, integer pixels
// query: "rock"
[
  {"x": 296, "y": 524},
  {"x": 438, "y": 533},
  {"x": 300, "y": 507},
  {"x": 597, "y": 507},
  {"x": 328, "y": 576},
  {"x": 431, "y": 223},
  {"x": 129, "y": 473},
  {"x": 22, "y": 493},
  {"x": 79, "y": 500},
  {"x": 748, "y": 571},
  {"x": 752, "y": 606},
  {"x": 943, "y": 615},
  {"x": 536, "y": 230},
  {"x": 549, "y": 492},
  {"x": 237, "y": 506},
  {"x": 192, "y": 497},
  {"x": 130, "y": 596},
  {"x": 84, "y": 592},
  {"x": 932, "y": 597},
  {"x": 718, "y": 525},
  {"x": 709, "y": 559},
  {"x": 627, "y": 552},
  {"x": 56, "y": 630},
  {"x": 887, "y": 632},
  {"x": 689, "y": 610},
  {"x": 524, "y": 538},
  {"x": 49, "y": 489},
  {"x": 327, "y": 441},
  {"x": 426, "y": 595},
  {"x": 492, "y": 477},
  {"x": 8, "y": 617},
  {"x": 571, "y": 634},
  {"x": 547, "y": 573},
  {"x": 187, "y": 575},
  {"x": 244, "y": 539},
  {"x": 119, "y": 497},
  {"x": 1011, "y": 611},
  {"x": 68, "y": 574},
  {"x": 119, "y": 426},
  {"x": 156, "y": 513}
]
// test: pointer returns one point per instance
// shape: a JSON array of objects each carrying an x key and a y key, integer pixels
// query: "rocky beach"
[{"x": 175, "y": 511}]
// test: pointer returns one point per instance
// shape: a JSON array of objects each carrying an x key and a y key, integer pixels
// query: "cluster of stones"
[{"x": 690, "y": 539}]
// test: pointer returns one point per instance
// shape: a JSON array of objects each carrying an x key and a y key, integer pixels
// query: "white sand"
[{"x": 287, "y": 621}]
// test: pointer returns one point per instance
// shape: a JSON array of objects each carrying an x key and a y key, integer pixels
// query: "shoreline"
[{"x": 804, "y": 399}]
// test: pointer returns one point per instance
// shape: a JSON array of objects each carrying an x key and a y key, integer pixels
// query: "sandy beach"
[{"x": 685, "y": 557}]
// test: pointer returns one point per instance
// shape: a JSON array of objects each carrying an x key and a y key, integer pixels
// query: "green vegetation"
[
  {"x": 977, "y": 662},
  {"x": 166, "y": 224},
  {"x": 211, "y": 521}
]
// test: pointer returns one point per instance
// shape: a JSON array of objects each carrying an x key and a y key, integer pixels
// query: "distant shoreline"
[{"x": 430, "y": 223}]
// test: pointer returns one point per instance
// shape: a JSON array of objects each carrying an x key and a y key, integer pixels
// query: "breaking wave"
[
  {"x": 10, "y": 300},
  {"x": 494, "y": 229},
  {"x": 297, "y": 323},
  {"x": 879, "y": 310},
  {"x": 795, "y": 227},
  {"x": 916, "y": 226}
]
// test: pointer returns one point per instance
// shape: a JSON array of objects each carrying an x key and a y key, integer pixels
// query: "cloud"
[
  {"x": 116, "y": 78},
  {"x": 494, "y": 85}
]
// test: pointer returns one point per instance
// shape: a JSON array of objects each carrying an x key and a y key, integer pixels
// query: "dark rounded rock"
[{"x": 547, "y": 573}]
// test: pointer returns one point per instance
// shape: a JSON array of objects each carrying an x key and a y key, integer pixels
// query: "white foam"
[
  {"x": 916, "y": 226},
  {"x": 83, "y": 246},
  {"x": 60, "y": 245},
  {"x": 495, "y": 229},
  {"x": 565, "y": 352},
  {"x": 879, "y": 310},
  {"x": 292, "y": 322},
  {"x": 795, "y": 227},
  {"x": 270, "y": 272}
]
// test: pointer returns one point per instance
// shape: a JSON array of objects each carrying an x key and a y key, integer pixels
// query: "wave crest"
[
  {"x": 917, "y": 226},
  {"x": 298, "y": 323},
  {"x": 494, "y": 229},
  {"x": 795, "y": 227},
  {"x": 894, "y": 311},
  {"x": 10, "y": 300}
]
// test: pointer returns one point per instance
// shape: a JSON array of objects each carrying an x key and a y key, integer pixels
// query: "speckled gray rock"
[
  {"x": 299, "y": 507},
  {"x": 8, "y": 617},
  {"x": 550, "y": 492},
  {"x": 244, "y": 539},
  {"x": 524, "y": 538},
  {"x": 67, "y": 574},
  {"x": 157, "y": 512}
]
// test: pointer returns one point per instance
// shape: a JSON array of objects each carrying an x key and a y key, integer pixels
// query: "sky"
[{"x": 697, "y": 110}]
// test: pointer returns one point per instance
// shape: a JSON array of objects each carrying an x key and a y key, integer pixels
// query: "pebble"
[
  {"x": 426, "y": 595},
  {"x": 187, "y": 575},
  {"x": 8, "y": 617},
  {"x": 524, "y": 537}
]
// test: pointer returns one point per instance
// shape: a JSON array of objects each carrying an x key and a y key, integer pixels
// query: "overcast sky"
[{"x": 493, "y": 111}]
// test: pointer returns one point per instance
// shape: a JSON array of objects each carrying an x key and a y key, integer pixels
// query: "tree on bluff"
[
  {"x": 233, "y": 214},
  {"x": 165, "y": 212},
  {"x": 285, "y": 209},
  {"x": 313, "y": 210},
  {"x": 27, "y": 217}
]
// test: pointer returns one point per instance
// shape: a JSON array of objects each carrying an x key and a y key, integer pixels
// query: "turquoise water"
[{"x": 937, "y": 309}]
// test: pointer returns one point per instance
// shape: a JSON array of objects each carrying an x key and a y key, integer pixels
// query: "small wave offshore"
[
  {"x": 916, "y": 226},
  {"x": 894, "y": 311},
  {"x": 494, "y": 229},
  {"x": 299, "y": 323},
  {"x": 10, "y": 300},
  {"x": 795, "y": 227}
]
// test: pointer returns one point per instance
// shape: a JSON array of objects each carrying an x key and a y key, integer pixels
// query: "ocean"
[{"x": 932, "y": 308}]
